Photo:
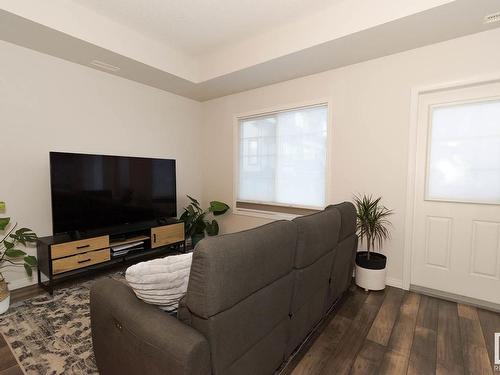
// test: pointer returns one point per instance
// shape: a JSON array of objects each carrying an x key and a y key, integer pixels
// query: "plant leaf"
[
  {"x": 31, "y": 260},
  {"x": 212, "y": 228},
  {"x": 184, "y": 215},
  {"x": 4, "y": 221},
  {"x": 193, "y": 200},
  {"x": 24, "y": 235},
  {"x": 218, "y": 208},
  {"x": 8, "y": 244},
  {"x": 28, "y": 269},
  {"x": 2, "y": 206},
  {"x": 372, "y": 223},
  {"x": 14, "y": 253},
  {"x": 17, "y": 238}
]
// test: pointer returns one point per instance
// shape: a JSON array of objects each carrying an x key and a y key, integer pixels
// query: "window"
[
  {"x": 464, "y": 153},
  {"x": 282, "y": 161}
]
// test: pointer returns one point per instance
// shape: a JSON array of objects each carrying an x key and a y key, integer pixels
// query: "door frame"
[{"x": 416, "y": 92}]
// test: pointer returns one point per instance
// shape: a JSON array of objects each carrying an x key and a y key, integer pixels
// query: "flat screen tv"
[{"x": 92, "y": 192}]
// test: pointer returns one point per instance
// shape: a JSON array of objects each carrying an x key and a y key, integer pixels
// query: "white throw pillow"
[{"x": 161, "y": 282}]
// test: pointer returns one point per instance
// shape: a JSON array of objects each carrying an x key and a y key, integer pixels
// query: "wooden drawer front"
[
  {"x": 167, "y": 234},
  {"x": 80, "y": 246},
  {"x": 80, "y": 260}
]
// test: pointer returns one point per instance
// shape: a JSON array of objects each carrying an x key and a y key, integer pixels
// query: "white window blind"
[
  {"x": 464, "y": 160},
  {"x": 282, "y": 158}
]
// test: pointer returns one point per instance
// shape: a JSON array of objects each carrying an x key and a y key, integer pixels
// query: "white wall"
[
  {"x": 48, "y": 104},
  {"x": 370, "y": 124}
]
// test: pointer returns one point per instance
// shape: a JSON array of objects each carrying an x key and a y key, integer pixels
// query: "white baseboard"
[{"x": 396, "y": 283}]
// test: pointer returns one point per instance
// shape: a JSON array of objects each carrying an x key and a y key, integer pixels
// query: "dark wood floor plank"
[
  {"x": 341, "y": 361},
  {"x": 490, "y": 323},
  {"x": 429, "y": 336},
  {"x": 315, "y": 358},
  {"x": 353, "y": 303},
  {"x": 7, "y": 359},
  {"x": 449, "y": 359},
  {"x": 380, "y": 331},
  {"x": 397, "y": 355},
  {"x": 14, "y": 370},
  {"x": 423, "y": 351},
  {"x": 476, "y": 359},
  {"x": 369, "y": 358}
]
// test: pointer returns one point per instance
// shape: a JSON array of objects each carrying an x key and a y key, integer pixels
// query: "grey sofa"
[{"x": 252, "y": 298}]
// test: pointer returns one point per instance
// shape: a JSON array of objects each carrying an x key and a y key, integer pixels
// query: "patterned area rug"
[{"x": 51, "y": 335}]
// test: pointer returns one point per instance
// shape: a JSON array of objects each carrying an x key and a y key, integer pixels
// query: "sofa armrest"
[{"x": 132, "y": 337}]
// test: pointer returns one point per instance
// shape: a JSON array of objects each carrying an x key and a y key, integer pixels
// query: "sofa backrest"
[
  {"x": 255, "y": 295},
  {"x": 345, "y": 253},
  {"x": 317, "y": 239},
  {"x": 239, "y": 296}
]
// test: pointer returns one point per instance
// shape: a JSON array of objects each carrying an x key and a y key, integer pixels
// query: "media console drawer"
[
  {"x": 80, "y": 260},
  {"x": 166, "y": 235},
  {"x": 80, "y": 246}
]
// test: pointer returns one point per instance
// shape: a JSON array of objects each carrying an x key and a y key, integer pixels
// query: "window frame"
[
  {"x": 430, "y": 124},
  {"x": 270, "y": 214}
]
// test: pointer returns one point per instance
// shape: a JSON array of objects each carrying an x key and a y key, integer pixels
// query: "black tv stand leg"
[{"x": 48, "y": 287}]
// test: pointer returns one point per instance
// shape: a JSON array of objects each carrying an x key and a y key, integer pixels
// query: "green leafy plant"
[
  {"x": 198, "y": 221},
  {"x": 372, "y": 224},
  {"x": 10, "y": 254}
]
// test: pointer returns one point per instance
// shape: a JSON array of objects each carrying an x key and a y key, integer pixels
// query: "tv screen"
[{"x": 91, "y": 192}]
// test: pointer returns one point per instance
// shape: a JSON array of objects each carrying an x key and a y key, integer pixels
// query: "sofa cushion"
[
  {"x": 318, "y": 234},
  {"x": 244, "y": 327},
  {"x": 348, "y": 215},
  {"x": 162, "y": 281},
  {"x": 227, "y": 269}
]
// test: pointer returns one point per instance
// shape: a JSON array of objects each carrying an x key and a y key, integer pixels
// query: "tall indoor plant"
[
  {"x": 11, "y": 256},
  {"x": 197, "y": 221},
  {"x": 372, "y": 227}
]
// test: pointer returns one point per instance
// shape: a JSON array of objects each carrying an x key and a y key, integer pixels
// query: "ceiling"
[
  {"x": 196, "y": 27},
  {"x": 204, "y": 49}
]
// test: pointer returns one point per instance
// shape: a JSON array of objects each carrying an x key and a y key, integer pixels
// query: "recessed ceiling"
[
  {"x": 239, "y": 44},
  {"x": 196, "y": 27}
]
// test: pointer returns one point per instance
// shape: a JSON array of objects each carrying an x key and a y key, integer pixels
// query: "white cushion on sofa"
[{"x": 161, "y": 282}]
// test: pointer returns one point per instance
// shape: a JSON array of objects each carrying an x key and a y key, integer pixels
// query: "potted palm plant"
[
  {"x": 372, "y": 227},
  {"x": 11, "y": 255},
  {"x": 198, "y": 221}
]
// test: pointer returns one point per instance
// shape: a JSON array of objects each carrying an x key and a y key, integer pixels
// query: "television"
[{"x": 101, "y": 192}]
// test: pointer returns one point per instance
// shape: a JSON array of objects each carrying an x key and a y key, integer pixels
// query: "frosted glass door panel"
[{"x": 464, "y": 153}]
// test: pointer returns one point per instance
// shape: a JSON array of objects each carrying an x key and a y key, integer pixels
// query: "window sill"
[{"x": 264, "y": 214}]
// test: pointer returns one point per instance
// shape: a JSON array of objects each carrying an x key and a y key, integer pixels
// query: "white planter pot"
[
  {"x": 370, "y": 279},
  {"x": 4, "y": 304}
]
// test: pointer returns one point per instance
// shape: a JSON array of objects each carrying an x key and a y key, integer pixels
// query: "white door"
[{"x": 456, "y": 234}]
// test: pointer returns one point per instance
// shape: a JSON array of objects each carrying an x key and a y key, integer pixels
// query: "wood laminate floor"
[
  {"x": 388, "y": 332},
  {"x": 8, "y": 364},
  {"x": 399, "y": 332}
]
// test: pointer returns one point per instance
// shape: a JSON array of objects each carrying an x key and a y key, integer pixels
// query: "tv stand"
[{"x": 68, "y": 256}]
